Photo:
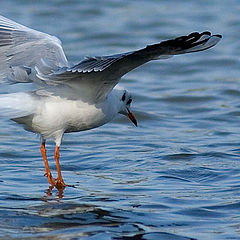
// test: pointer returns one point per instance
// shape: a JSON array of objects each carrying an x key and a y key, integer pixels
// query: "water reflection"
[
  {"x": 59, "y": 192},
  {"x": 72, "y": 220}
]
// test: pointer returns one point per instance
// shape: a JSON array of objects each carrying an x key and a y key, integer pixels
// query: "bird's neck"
[{"x": 112, "y": 104}]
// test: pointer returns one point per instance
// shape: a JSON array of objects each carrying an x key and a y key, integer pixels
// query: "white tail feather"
[{"x": 17, "y": 104}]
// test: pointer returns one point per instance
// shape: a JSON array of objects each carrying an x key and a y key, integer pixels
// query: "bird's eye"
[
  {"x": 124, "y": 97},
  {"x": 129, "y": 101}
]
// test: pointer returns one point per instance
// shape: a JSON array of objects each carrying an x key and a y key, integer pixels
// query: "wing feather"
[
  {"x": 25, "y": 47},
  {"x": 95, "y": 77},
  {"x": 30, "y": 55}
]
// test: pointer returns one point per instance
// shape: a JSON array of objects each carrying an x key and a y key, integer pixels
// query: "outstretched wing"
[
  {"x": 29, "y": 55},
  {"x": 22, "y": 48},
  {"x": 95, "y": 77}
]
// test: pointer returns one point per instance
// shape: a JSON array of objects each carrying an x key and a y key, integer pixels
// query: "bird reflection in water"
[{"x": 59, "y": 192}]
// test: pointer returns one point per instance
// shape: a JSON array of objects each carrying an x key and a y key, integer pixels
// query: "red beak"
[{"x": 132, "y": 118}]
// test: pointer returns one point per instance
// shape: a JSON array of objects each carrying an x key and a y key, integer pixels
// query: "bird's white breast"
[{"x": 56, "y": 115}]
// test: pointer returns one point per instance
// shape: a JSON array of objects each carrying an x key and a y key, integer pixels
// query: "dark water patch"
[
  {"x": 55, "y": 219},
  {"x": 151, "y": 206},
  {"x": 232, "y": 92},
  {"x": 16, "y": 197},
  {"x": 235, "y": 113},
  {"x": 79, "y": 220},
  {"x": 180, "y": 156},
  {"x": 172, "y": 178},
  {"x": 230, "y": 206},
  {"x": 220, "y": 155},
  {"x": 152, "y": 236},
  {"x": 223, "y": 133},
  {"x": 201, "y": 213},
  {"x": 194, "y": 175}
]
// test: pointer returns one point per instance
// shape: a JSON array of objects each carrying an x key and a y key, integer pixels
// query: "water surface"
[{"x": 177, "y": 175}]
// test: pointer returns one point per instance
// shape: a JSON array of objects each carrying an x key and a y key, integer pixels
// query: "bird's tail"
[{"x": 14, "y": 105}]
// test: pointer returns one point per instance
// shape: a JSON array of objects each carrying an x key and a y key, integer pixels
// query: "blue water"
[{"x": 177, "y": 175}]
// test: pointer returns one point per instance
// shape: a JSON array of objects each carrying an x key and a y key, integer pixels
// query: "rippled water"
[{"x": 177, "y": 175}]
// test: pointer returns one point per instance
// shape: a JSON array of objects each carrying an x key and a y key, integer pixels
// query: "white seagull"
[{"x": 72, "y": 98}]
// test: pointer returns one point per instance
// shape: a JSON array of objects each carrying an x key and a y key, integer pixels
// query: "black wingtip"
[
  {"x": 196, "y": 41},
  {"x": 218, "y": 35}
]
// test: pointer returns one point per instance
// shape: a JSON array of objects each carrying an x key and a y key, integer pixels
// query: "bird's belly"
[
  {"x": 67, "y": 116},
  {"x": 85, "y": 121}
]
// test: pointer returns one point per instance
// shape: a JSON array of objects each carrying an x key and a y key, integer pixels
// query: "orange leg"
[
  {"x": 48, "y": 172},
  {"x": 60, "y": 183}
]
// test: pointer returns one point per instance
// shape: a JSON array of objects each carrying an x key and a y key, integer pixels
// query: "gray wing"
[
  {"x": 22, "y": 48},
  {"x": 95, "y": 77}
]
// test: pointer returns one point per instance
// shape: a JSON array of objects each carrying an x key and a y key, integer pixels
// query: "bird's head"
[{"x": 125, "y": 106}]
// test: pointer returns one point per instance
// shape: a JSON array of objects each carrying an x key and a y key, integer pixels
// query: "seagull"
[{"x": 72, "y": 97}]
